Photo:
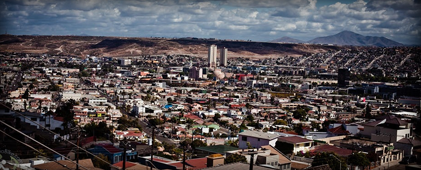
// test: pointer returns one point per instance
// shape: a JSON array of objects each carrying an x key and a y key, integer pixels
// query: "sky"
[{"x": 256, "y": 20}]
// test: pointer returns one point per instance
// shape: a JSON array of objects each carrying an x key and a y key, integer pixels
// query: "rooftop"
[
  {"x": 260, "y": 135},
  {"x": 221, "y": 149},
  {"x": 294, "y": 139}
]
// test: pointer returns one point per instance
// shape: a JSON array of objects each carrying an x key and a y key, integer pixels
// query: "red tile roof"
[
  {"x": 329, "y": 148},
  {"x": 294, "y": 139},
  {"x": 198, "y": 163},
  {"x": 120, "y": 164},
  {"x": 338, "y": 130},
  {"x": 87, "y": 140},
  {"x": 194, "y": 117},
  {"x": 110, "y": 148}
]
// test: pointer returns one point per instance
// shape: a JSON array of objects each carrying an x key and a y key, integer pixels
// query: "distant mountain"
[
  {"x": 354, "y": 39},
  {"x": 287, "y": 40}
]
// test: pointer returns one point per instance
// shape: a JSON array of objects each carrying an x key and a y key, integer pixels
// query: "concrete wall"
[
  {"x": 253, "y": 141},
  {"x": 407, "y": 149},
  {"x": 392, "y": 135}
]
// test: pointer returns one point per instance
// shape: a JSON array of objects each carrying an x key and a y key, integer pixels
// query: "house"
[
  {"x": 284, "y": 162},
  {"x": 386, "y": 129},
  {"x": 114, "y": 154},
  {"x": 351, "y": 128},
  {"x": 298, "y": 143},
  {"x": 337, "y": 131},
  {"x": 408, "y": 145},
  {"x": 256, "y": 139}
]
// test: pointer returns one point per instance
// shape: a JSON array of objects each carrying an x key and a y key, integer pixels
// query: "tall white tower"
[
  {"x": 223, "y": 60},
  {"x": 212, "y": 54}
]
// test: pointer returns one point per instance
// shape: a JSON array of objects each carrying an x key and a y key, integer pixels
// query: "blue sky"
[{"x": 258, "y": 20}]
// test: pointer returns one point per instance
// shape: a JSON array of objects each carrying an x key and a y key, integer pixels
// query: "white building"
[
  {"x": 71, "y": 95},
  {"x": 98, "y": 101},
  {"x": 299, "y": 143},
  {"x": 256, "y": 139},
  {"x": 223, "y": 60},
  {"x": 212, "y": 55},
  {"x": 125, "y": 61},
  {"x": 387, "y": 129},
  {"x": 133, "y": 102}
]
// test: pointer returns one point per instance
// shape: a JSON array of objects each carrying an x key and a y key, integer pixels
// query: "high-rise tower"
[
  {"x": 223, "y": 61},
  {"x": 212, "y": 54}
]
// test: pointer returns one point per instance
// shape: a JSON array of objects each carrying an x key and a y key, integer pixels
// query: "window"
[
  {"x": 258, "y": 139},
  {"x": 244, "y": 138},
  {"x": 307, "y": 144}
]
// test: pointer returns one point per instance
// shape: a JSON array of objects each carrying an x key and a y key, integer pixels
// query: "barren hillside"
[{"x": 124, "y": 46}]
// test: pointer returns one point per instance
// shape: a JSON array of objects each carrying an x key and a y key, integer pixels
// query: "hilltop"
[
  {"x": 346, "y": 38},
  {"x": 131, "y": 46}
]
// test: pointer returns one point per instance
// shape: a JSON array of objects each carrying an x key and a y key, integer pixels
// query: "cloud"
[{"x": 226, "y": 19}]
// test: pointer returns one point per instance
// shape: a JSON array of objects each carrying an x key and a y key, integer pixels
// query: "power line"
[
  {"x": 29, "y": 146},
  {"x": 38, "y": 142},
  {"x": 57, "y": 134}
]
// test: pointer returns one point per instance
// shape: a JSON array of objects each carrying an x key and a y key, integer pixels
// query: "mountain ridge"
[
  {"x": 353, "y": 39},
  {"x": 286, "y": 39}
]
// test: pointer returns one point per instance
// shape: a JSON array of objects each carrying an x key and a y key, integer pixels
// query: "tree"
[
  {"x": 155, "y": 121},
  {"x": 280, "y": 122},
  {"x": 298, "y": 128},
  {"x": 26, "y": 94},
  {"x": 243, "y": 126},
  {"x": 358, "y": 159},
  {"x": 250, "y": 118},
  {"x": 368, "y": 111},
  {"x": 216, "y": 117},
  {"x": 198, "y": 143},
  {"x": 210, "y": 76},
  {"x": 316, "y": 125},
  {"x": 248, "y": 106},
  {"x": 31, "y": 86},
  {"x": 327, "y": 158},
  {"x": 233, "y": 143},
  {"x": 299, "y": 114},
  {"x": 249, "y": 145},
  {"x": 235, "y": 158},
  {"x": 100, "y": 163},
  {"x": 169, "y": 100}
]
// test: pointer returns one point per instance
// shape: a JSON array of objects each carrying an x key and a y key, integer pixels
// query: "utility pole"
[
  {"x": 251, "y": 152},
  {"x": 77, "y": 155},
  {"x": 153, "y": 139},
  {"x": 124, "y": 152}
]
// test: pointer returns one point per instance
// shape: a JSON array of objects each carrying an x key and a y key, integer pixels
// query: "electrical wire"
[
  {"x": 57, "y": 134},
  {"x": 52, "y": 150},
  {"x": 29, "y": 146}
]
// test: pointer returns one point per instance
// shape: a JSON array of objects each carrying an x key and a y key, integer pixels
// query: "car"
[{"x": 408, "y": 159}]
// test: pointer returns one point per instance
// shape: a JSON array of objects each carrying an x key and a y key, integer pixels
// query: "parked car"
[{"x": 408, "y": 159}]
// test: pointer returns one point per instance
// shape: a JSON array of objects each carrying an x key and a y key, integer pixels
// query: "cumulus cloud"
[{"x": 260, "y": 20}]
